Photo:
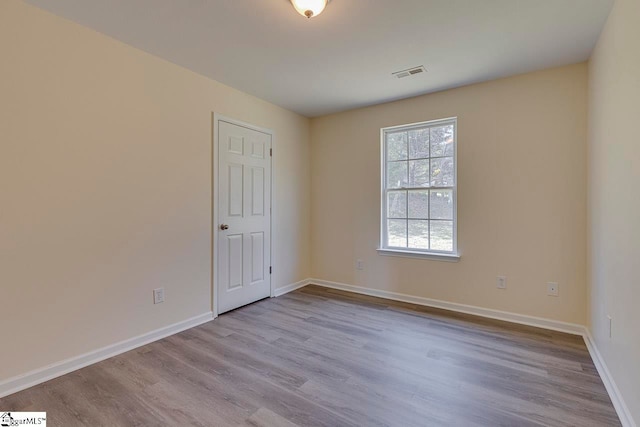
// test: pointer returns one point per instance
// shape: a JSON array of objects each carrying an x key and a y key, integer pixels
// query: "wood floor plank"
[
  {"x": 265, "y": 418},
  {"x": 325, "y": 357}
]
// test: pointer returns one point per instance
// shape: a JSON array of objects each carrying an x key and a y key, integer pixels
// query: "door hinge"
[
  {"x": 270, "y": 270},
  {"x": 270, "y": 152}
]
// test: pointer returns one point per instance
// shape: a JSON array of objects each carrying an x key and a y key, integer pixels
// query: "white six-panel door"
[{"x": 244, "y": 216}]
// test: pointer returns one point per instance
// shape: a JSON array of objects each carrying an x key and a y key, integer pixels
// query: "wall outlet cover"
[
  {"x": 158, "y": 295},
  {"x": 501, "y": 282}
]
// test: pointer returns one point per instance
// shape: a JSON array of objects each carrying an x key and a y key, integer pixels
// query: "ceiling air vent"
[{"x": 410, "y": 72}]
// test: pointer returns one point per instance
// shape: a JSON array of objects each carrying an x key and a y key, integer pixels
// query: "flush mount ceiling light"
[{"x": 309, "y": 8}]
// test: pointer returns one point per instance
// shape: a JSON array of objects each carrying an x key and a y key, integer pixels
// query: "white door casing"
[{"x": 243, "y": 220}]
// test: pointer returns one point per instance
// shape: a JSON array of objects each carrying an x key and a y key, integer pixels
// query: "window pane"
[
  {"x": 442, "y": 141},
  {"x": 419, "y": 204},
  {"x": 442, "y": 235},
  {"x": 397, "y": 146},
  {"x": 419, "y": 234},
  {"x": 396, "y": 174},
  {"x": 441, "y": 204},
  {"x": 419, "y": 143},
  {"x": 397, "y": 204},
  {"x": 419, "y": 173},
  {"x": 397, "y": 233},
  {"x": 442, "y": 172},
  {"x": 419, "y": 187}
]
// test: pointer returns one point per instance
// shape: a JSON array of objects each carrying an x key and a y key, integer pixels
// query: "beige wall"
[
  {"x": 105, "y": 188},
  {"x": 521, "y": 203},
  {"x": 614, "y": 203}
]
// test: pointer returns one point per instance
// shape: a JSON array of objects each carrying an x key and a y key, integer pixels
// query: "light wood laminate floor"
[{"x": 321, "y": 357}]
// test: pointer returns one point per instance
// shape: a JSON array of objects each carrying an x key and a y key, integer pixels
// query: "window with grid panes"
[{"x": 419, "y": 188}]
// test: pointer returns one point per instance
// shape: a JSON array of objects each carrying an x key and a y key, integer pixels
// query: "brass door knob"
[{"x": 224, "y": 227}]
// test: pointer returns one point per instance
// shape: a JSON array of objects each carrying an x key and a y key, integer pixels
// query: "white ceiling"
[{"x": 344, "y": 58}]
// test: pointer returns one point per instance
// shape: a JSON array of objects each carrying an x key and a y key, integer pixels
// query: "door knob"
[{"x": 224, "y": 227}]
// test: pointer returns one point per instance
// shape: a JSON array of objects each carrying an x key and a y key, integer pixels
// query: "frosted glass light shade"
[{"x": 309, "y": 8}]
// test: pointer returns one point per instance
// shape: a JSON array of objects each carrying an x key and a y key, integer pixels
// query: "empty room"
[{"x": 319, "y": 213}]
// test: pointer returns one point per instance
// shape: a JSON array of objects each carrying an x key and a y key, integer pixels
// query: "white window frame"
[{"x": 453, "y": 255}]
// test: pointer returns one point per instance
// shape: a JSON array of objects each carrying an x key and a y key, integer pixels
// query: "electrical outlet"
[
  {"x": 359, "y": 265},
  {"x": 553, "y": 289},
  {"x": 158, "y": 295},
  {"x": 501, "y": 283}
]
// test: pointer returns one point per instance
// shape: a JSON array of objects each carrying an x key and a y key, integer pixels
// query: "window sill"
[{"x": 424, "y": 255}]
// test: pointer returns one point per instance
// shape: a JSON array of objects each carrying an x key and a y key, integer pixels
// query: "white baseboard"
[
  {"x": 292, "y": 287},
  {"x": 38, "y": 376},
  {"x": 614, "y": 393},
  {"x": 554, "y": 325},
  {"x": 571, "y": 328}
]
